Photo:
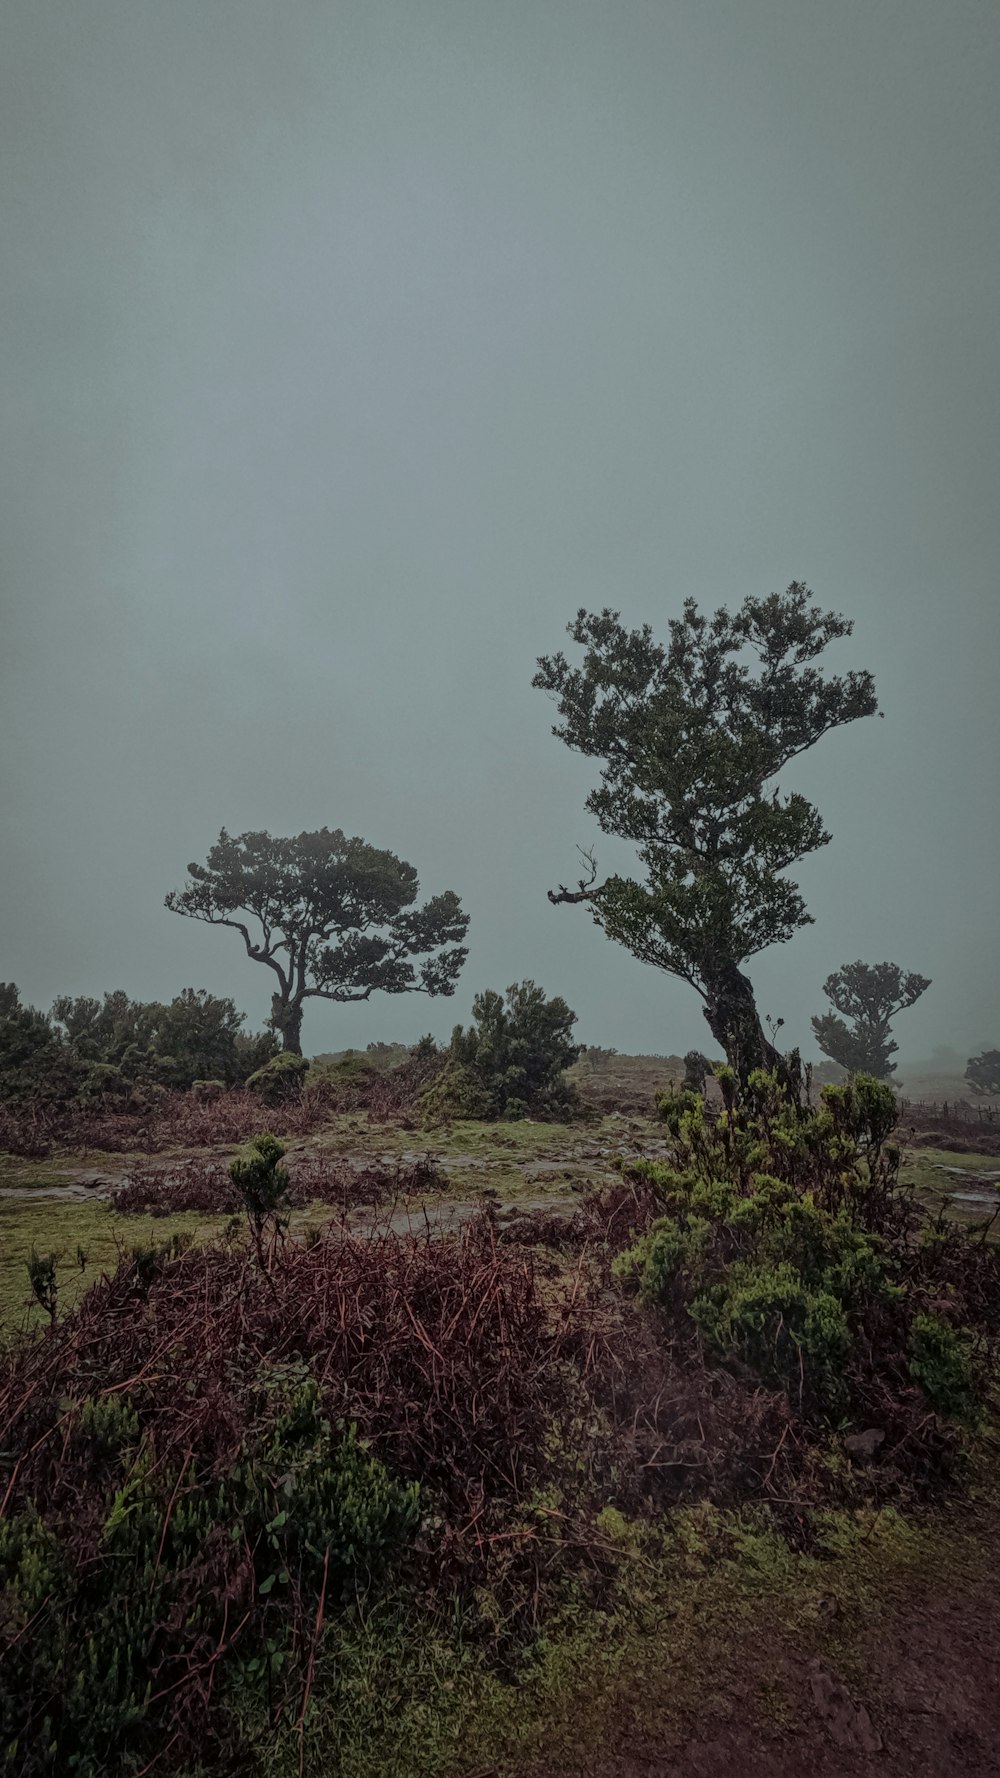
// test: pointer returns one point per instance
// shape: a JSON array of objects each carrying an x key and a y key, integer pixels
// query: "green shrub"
[
  {"x": 115, "y": 1624},
  {"x": 456, "y": 1091},
  {"x": 784, "y": 1241},
  {"x": 940, "y": 1364},
  {"x": 280, "y": 1080},
  {"x": 207, "y": 1091},
  {"x": 512, "y": 1060},
  {"x": 262, "y": 1184},
  {"x": 42, "y": 1280}
]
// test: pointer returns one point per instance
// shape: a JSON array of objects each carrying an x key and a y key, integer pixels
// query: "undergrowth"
[{"x": 260, "y": 1494}]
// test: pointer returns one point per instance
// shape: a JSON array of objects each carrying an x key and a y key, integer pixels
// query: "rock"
[
  {"x": 849, "y": 1724},
  {"x": 862, "y": 1446}
]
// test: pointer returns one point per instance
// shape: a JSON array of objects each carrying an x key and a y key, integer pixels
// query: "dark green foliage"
[
  {"x": 983, "y": 1072},
  {"x": 208, "y": 1091},
  {"x": 869, "y": 995},
  {"x": 692, "y": 737},
  {"x": 941, "y": 1365},
  {"x": 511, "y": 1061},
  {"x": 118, "y": 1051},
  {"x": 784, "y": 1241},
  {"x": 455, "y": 1091},
  {"x": 262, "y": 1184},
  {"x": 696, "y": 1068},
  {"x": 177, "y": 1568},
  {"x": 33, "y": 1064},
  {"x": 42, "y": 1280},
  {"x": 280, "y": 1080},
  {"x": 332, "y": 917},
  {"x": 200, "y": 1036}
]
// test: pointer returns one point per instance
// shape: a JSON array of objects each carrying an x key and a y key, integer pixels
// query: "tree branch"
[{"x": 585, "y": 890}]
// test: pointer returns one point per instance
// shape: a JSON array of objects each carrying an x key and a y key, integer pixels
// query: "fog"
[{"x": 348, "y": 346}]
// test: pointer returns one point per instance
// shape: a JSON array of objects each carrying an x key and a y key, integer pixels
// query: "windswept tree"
[
  {"x": 869, "y": 996},
  {"x": 692, "y": 736},
  {"x": 333, "y": 919},
  {"x": 983, "y": 1072}
]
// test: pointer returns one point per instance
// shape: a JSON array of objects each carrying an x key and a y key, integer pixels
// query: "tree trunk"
[
  {"x": 735, "y": 1024},
  {"x": 286, "y": 1020}
]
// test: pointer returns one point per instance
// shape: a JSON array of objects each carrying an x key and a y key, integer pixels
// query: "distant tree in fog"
[
  {"x": 983, "y": 1072},
  {"x": 869, "y": 996},
  {"x": 333, "y": 918}
]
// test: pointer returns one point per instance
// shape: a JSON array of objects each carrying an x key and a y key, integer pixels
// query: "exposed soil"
[{"x": 918, "y": 1697}]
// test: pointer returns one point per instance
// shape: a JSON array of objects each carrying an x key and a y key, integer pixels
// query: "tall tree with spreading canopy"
[
  {"x": 333, "y": 918},
  {"x": 869, "y": 995},
  {"x": 692, "y": 736}
]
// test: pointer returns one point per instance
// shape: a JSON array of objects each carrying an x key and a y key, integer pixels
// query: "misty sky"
[{"x": 348, "y": 346}]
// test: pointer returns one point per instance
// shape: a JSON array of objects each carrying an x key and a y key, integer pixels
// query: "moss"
[{"x": 409, "y": 1695}]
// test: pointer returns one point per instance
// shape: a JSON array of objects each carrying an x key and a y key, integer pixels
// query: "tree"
[
  {"x": 869, "y": 995},
  {"x": 692, "y": 736},
  {"x": 32, "y": 1055},
  {"x": 332, "y": 917},
  {"x": 116, "y": 1031},
  {"x": 201, "y": 1037},
  {"x": 983, "y": 1072}
]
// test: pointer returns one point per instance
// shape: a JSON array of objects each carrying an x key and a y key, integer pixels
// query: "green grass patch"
[{"x": 71, "y": 1230}]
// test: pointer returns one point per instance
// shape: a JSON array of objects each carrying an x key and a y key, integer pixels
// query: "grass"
[
  {"x": 92, "y": 1228},
  {"x": 923, "y": 1168}
]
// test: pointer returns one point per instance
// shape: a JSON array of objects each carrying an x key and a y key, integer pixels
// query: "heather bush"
[{"x": 782, "y": 1239}]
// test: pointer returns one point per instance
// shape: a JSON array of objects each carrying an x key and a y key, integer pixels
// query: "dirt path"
[{"x": 918, "y": 1697}]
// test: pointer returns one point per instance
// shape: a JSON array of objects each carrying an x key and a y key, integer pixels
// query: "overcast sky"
[{"x": 348, "y": 346}]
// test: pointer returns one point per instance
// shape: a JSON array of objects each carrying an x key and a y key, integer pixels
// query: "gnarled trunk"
[
  {"x": 286, "y": 1020},
  {"x": 734, "y": 1022}
]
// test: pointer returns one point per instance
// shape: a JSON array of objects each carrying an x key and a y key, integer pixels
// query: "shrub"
[
  {"x": 124, "y": 1613},
  {"x": 941, "y": 1365},
  {"x": 262, "y": 1184},
  {"x": 983, "y": 1072},
  {"x": 784, "y": 1240},
  {"x": 280, "y": 1080},
  {"x": 42, "y": 1280},
  {"x": 457, "y": 1091},
  {"x": 512, "y": 1059},
  {"x": 207, "y": 1091}
]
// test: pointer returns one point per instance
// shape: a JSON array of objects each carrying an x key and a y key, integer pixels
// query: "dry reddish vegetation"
[
  {"x": 161, "y": 1120},
  {"x": 174, "y": 1120},
  {"x": 315, "y": 1179}
]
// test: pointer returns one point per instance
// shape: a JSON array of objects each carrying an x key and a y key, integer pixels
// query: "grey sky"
[{"x": 349, "y": 345}]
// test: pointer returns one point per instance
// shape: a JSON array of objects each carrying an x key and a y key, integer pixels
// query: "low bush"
[
  {"x": 782, "y": 1239},
  {"x": 281, "y": 1080},
  {"x": 185, "y": 1495},
  {"x": 149, "y": 1122},
  {"x": 131, "y": 1610},
  {"x": 511, "y": 1062}
]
